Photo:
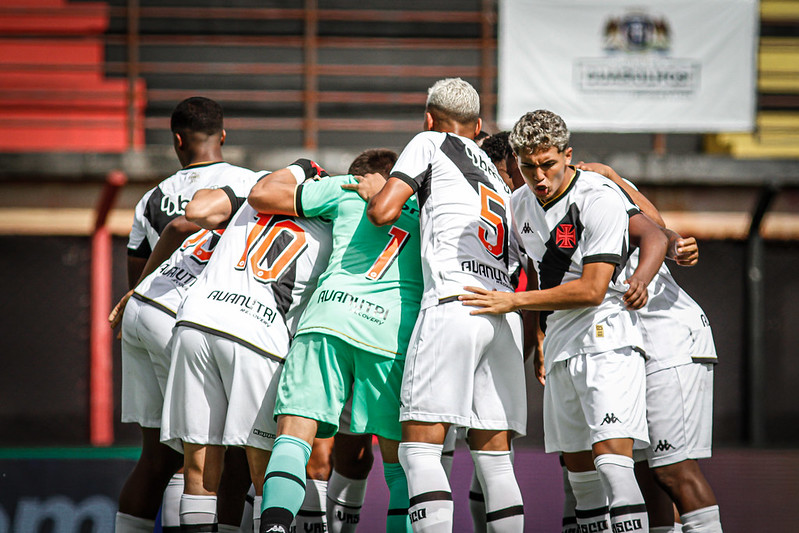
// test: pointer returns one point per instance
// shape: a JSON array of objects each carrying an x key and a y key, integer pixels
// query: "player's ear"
[
  {"x": 567, "y": 153},
  {"x": 222, "y": 138},
  {"x": 428, "y": 121},
  {"x": 478, "y": 127},
  {"x": 178, "y": 141}
]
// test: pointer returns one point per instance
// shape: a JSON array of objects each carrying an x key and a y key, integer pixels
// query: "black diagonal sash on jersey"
[
  {"x": 284, "y": 285},
  {"x": 557, "y": 259},
  {"x": 456, "y": 150}
]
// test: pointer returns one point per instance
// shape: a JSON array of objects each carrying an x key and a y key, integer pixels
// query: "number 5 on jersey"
[{"x": 398, "y": 239}]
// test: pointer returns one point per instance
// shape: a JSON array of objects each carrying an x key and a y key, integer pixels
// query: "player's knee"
[{"x": 674, "y": 476}]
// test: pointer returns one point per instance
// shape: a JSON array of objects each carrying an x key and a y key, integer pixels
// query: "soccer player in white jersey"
[
  {"x": 461, "y": 370},
  {"x": 574, "y": 227},
  {"x": 231, "y": 334},
  {"x": 198, "y": 134},
  {"x": 679, "y": 381}
]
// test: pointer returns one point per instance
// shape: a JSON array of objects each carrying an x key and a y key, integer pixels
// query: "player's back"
[
  {"x": 258, "y": 280},
  {"x": 370, "y": 292},
  {"x": 168, "y": 199},
  {"x": 465, "y": 214}
]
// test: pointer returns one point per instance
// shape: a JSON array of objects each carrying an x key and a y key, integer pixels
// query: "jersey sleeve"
[
  {"x": 321, "y": 198},
  {"x": 605, "y": 221},
  {"x": 415, "y": 161},
  {"x": 138, "y": 245}
]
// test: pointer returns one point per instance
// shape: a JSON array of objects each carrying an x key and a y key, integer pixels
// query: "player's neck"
[{"x": 204, "y": 157}]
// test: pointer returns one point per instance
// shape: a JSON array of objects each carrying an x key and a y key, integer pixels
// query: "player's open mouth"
[{"x": 541, "y": 190}]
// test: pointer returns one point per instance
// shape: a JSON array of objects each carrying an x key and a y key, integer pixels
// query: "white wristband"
[{"x": 297, "y": 172}]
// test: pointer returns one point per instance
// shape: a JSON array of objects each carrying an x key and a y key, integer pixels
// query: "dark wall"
[{"x": 45, "y": 352}]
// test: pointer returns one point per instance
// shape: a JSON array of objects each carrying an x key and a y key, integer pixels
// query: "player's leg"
[
  {"x": 658, "y": 504},
  {"x": 491, "y": 454},
  {"x": 566, "y": 431},
  {"x": 312, "y": 514},
  {"x": 433, "y": 399},
  {"x": 448, "y": 450},
  {"x": 144, "y": 330},
  {"x": 611, "y": 386},
  {"x": 680, "y": 416},
  {"x": 346, "y": 489},
  {"x": 569, "y": 522},
  {"x": 170, "y": 505},
  {"x": 311, "y": 393},
  {"x": 284, "y": 480},
  {"x": 202, "y": 471},
  {"x": 233, "y": 487}
]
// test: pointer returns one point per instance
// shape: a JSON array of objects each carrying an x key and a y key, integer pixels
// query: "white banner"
[{"x": 630, "y": 65}]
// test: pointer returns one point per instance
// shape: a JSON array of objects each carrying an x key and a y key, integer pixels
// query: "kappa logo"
[
  {"x": 526, "y": 228},
  {"x": 276, "y": 529},
  {"x": 663, "y": 446},
  {"x": 610, "y": 418},
  {"x": 565, "y": 236}
]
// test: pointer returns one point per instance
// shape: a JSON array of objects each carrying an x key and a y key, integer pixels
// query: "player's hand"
[
  {"x": 599, "y": 168},
  {"x": 538, "y": 365},
  {"x": 490, "y": 302},
  {"x": 686, "y": 251},
  {"x": 368, "y": 185},
  {"x": 116, "y": 314},
  {"x": 636, "y": 296}
]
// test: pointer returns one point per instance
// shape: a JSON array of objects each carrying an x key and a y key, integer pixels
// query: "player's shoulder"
[{"x": 591, "y": 187}]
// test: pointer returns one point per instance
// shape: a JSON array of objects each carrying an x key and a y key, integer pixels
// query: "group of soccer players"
[{"x": 291, "y": 312}]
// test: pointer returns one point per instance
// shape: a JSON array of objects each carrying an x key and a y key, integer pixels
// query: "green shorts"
[{"x": 319, "y": 374}]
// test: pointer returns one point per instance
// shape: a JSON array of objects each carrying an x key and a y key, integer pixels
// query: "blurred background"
[{"x": 86, "y": 90}]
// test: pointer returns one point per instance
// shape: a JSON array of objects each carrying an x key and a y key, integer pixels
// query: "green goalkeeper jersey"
[{"x": 369, "y": 296}]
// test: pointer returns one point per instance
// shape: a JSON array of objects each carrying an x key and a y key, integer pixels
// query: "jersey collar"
[{"x": 550, "y": 203}]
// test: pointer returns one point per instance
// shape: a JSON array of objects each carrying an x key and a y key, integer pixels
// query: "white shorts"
[
  {"x": 465, "y": 370},
  {"x": 146, "y": 331},
  {"x": 679, "y": 413},
  {"x": 219, "y": 393},
  {"x": 589, "y": 398}
]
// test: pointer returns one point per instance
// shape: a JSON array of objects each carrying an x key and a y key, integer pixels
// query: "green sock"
[
  {"x": 284, "y": 483},
  {"x": 397, "y": 520}
]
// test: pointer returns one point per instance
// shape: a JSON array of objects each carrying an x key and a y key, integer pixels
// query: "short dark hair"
[
  {"x": 497, "y": 146},
  {"x": 376, "y": 160},
  {"x": 197, "y": 114}
]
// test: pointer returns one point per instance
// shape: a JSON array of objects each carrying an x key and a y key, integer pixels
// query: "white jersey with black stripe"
[
  {"x": 587, "y": 223},
  {"x": 168, "y": 200},
  {"x": 166, "y": 287},
  {"x": 464, "y": 215},
  {"x": 675, "y": 329},
  {"x": 258, "y": 281}
]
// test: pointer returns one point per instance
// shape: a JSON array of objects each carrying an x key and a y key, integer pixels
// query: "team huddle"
[{"x": 278, "y": 320}]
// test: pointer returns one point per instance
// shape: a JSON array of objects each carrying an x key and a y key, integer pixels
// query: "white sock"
[
  {"x": 311, "y": 516},
  {"x": 197, "y": 512},
  {"x": 170, "y": 505},
  {"x": 569, "y": 523},
  {"x": 677, "y": 527},
  {"x": 627, "y": 507},
  {"x": 448, "y": 450},
  {"x": 704, "y": 520},
  {"x": 477, "y": 504},
  {"x": 591, "y": 503},
  {"x": 503, "y": 498},
  {"x": 126, "y": 523},
  {"x": 431, "y": 509},
  {"x": 256, "y": 513},
  {"x": 344, "y": 501},
  {"x": 246, "y": 515}
]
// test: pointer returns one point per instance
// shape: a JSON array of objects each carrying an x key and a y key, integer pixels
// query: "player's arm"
[
  {"x": 177, "y": 231},
  {"x": 586, "y": 291},
  {"x": 533, "y": 336},
  {"x": 385, "y": 207},
  {"x": 211, "y": 208},
  {"x": 276, "y": 193},
  {"x": 639, "y": 199},
  {"x": 135, "y": 267},
  {"x": 653, "y": 244}
]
